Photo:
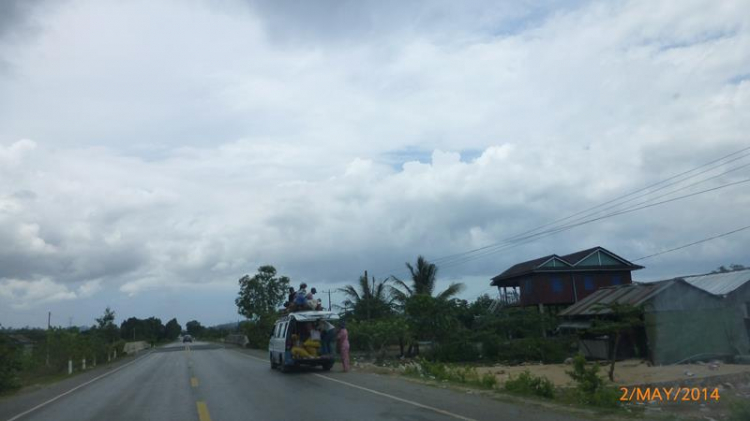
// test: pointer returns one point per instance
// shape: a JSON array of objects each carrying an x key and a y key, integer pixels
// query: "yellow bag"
[
  {"x": 299, "y": 352},
  {"x": 312, "y": 346}
]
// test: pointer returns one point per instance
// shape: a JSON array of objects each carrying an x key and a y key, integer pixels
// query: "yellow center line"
[
  {"x": 194, "y": 381},
  {"x": 203, "y": 411}
]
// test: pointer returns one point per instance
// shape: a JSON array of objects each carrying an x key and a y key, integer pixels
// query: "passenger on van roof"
[
  {"x": 300, "y": 300},
  {"x": 310, "y": 297},
  {"x": 292, "y": 293}
]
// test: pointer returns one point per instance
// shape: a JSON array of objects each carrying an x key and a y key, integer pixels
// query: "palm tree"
[
  {"x": 423, "y": 276},
  {"x": 369, "y": 300}
]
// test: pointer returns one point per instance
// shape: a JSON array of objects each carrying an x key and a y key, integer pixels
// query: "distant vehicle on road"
[
  {"x": 187, "y": 338},
  {"x": 291, "y": 332}
]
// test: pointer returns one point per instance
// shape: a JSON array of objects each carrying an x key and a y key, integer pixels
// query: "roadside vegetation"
[
  {"x": 410, "y": 326},
  {"x": 32, "y": 355}
]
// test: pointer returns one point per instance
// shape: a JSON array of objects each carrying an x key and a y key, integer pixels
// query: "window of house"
[
  {"x": 527, "y": 286},
  {"x": 557, "y": 285},
  {"x": 616, "y": 280},
  {"x": 588, "y": 283}
]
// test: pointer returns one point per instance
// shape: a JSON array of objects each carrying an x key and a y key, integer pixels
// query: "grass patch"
[
  {"x": 451, "y": 373},
  {"x": 739, "y": 411},
  {"x": 529, "y": 384},
  {"x": 590, "y": 390}
]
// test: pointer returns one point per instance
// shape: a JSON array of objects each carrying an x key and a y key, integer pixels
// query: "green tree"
[
  {"x": 368, "y": 301},
  {"x": 430, "y": 318},
  {"x": 134, "y": 329},
  {"x": 423, "y": 278},
  {"x": 194, "y": 328},
  {"x": 618, "y": 319},
  {"x": 262, "y": 294},
  {"x": 106, "y": 326},
  {"x": 172, "y": 330}
]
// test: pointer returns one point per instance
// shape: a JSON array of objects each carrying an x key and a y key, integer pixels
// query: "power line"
[
  {"x": 588, "y": 212},
  {"x": 655, "y": 254},
  {"x": 692, "y": 244},
  {"x": 533, "y": 235},
  {"x": 536, "y": 236}
]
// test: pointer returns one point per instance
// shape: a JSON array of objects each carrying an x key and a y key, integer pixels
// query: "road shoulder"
[{"x": 32, "y": 396}]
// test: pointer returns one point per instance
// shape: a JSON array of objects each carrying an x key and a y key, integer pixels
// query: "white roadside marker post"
[
  {"x": 83, "y": 364},
  {"x": 70, "y": 367}
]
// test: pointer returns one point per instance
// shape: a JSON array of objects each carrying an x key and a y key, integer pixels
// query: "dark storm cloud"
[
  {"x": 14, "y": 14},
  {"x": 16, "y": 24}
]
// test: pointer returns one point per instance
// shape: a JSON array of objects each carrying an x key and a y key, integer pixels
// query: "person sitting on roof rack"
[
  {"x": 290, "y": 298},
  {"x": 310, "y": 297},
  {"x": 300, "y": 299}
]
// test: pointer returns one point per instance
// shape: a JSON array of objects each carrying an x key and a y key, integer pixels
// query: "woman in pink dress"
[{"x": 343, "y": 341}]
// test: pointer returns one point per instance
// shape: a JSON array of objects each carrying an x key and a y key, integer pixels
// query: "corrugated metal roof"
[
  {"x": 719, "y": 283},
  {"x": 632, "y": 294}
]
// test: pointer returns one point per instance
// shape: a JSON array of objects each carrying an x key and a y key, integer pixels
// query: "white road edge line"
[
  {"x": 76, "y": 388},
  {"x": 396, "y": 398}
]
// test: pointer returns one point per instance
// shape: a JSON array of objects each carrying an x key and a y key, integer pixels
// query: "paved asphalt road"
[{"x": 204, "y": 382}]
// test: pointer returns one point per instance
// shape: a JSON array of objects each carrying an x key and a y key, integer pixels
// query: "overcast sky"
[{"x": 152, "y": 153}]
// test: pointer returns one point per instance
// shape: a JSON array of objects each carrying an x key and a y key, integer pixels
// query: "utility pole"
[
  {"x": 49, "y": 323},
  {"x": 329, "y": 298}
]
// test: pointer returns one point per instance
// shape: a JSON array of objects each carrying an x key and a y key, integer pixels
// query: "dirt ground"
[
  {"x": 731, "y": 380},
  {"x": 629, "y": 372}
]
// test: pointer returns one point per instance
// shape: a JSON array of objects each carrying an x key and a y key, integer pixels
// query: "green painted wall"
[{"x": 676, "y": 335}]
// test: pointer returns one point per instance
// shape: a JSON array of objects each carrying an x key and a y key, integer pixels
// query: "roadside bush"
[
  {"x": 457, "y": 350},
  {"x": 546, "y": 350},
  {"x": 739, "y": 411},
  {"x": 591, "y": 389},
  {"x": 118, "y": 346},
  {"x": 374, "y": 336},
  {"x": 529, "y": 384},
  {"x": 457, "y": 374},
  {"x": 258, "y": 332},
  {"x": 10, "y": 365},
  {"x": 491, "y": 347}
]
